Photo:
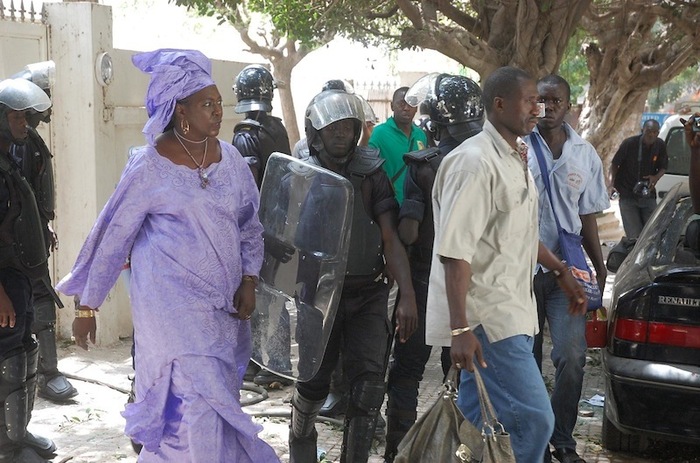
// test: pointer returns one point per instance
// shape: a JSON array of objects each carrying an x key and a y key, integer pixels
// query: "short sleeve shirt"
[
  {"x": 392, "y": 144},
  {"x": 577, "y": 185},
  {"x": 485, "y": 213}
]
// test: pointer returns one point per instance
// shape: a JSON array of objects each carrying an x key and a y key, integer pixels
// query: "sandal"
[{"x": 567, "y": 456}]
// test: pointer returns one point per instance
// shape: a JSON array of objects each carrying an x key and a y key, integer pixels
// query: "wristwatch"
[{"x": 557, "y": 273}]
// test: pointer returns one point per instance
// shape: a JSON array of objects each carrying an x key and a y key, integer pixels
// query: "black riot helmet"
[
  {"x": 454, "y": 102},
  {"x": 19, "y": 95},
  {"x": 326, "y": 108},
  {"x": 43, "y": 74},
  {"x": 254, "y": 86},
  {"x": 337, "y": 84}
]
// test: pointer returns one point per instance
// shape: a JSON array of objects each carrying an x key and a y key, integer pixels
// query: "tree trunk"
[
  {"x": 630, "y": 59},
  {"x": 282, "y": 71}
]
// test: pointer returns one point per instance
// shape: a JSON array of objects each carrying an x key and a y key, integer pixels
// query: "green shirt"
[{"x": 392, "y": 144}]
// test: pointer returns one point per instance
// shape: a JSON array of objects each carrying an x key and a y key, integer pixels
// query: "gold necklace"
[{"x": 203, "y": 176}]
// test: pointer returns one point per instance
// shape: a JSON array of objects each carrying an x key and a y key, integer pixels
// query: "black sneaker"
[{"x": 567, "y": 456}]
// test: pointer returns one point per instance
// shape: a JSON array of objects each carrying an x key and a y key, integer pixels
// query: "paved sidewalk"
[{"x": 90, "y": 429}]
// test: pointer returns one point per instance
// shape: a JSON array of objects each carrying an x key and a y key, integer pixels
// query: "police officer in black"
[
  {"x": 259, "y": 134},
  {"x": 361, "y": 330},
  {"x": 456, "y": 113},
  {"x": 23, "y": 258},
  {"x": 257, "y": 137},
  {"x": 36, "y": 162}
]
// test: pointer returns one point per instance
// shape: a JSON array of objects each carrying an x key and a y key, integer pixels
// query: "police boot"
[
  {"x": 53, "y": 385},
  {"x": 41, "y": 445},
  {"x": 13, "y": 422},
  {"x": 366, "y": 399},
  {"x": 302, "y": 429}
]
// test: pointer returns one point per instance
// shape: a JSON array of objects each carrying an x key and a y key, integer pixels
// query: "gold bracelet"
[
  {"x": 250, "y": 278},
  {"x": 458, "y": 331},
  {"x": 83, "y": 313}
]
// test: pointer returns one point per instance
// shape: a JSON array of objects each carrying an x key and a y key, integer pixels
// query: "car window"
[
  {"x": 678, "y": 152},
  {"x": 657, "y": 245}
]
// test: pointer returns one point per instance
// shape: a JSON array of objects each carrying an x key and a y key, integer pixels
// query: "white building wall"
[{"x": 92, "y": 129}]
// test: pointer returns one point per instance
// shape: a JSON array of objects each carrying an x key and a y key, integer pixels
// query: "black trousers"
[
  {"x": 19, "y": 290},
  {"x": 361, "y": 331}
]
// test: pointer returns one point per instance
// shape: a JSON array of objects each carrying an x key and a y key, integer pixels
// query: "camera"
[
  {"x": 642, "y": 189},
  {"x": 694, "y": 122}
]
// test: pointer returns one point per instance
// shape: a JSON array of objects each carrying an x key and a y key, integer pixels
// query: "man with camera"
[{"x": 637, "y": 166}]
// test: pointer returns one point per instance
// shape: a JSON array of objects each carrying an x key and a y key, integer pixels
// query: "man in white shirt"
[
  {"x": 575, "y": 174},
  {"x": 480, "y": 300}
]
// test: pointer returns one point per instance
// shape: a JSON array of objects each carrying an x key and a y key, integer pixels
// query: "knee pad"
[
  {"x": 367, "y": 396},
  {"x": 13, "y": 394},
  {"x": 304, "y": 413},
  {"x": 13, "y": 372}
]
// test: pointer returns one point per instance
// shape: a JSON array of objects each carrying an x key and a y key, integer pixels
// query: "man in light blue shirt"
[{"x": 575, "y": 174}]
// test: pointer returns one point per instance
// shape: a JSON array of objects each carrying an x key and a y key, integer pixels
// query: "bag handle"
[
  {"x": 488, "y": 414},
  {"x": 545, "y": 175}
]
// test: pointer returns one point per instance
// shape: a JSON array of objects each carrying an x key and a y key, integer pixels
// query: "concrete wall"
[{"x": 93, "y": 126}]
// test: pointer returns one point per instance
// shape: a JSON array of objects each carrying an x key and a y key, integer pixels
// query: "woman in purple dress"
[{"x": 185, "y": 210}]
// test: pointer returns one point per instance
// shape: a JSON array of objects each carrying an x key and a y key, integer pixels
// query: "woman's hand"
[
  {"x": 244, "y": 299},
  {"x": 84, "y": 327}
]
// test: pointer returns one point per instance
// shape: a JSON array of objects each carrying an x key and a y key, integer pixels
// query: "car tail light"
[
  {"x": 669, "y": 334},
  {"x": 639, "y": 329}
]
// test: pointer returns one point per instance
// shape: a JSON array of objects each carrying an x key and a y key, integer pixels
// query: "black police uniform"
[
  {"x": 361, "y": 329},
  {"x": 23, "y": 258},
  {"x": 37, "y": 168},
  {"x": 257, "y": 137},
  {"x": 409, "y": 358}
]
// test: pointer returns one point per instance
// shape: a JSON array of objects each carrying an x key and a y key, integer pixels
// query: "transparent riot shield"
[{"x": 306, "y": 211}]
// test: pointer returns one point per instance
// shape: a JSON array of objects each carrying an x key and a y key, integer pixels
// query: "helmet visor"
[
  {"x": 423, "y": 89},
  {"x": 368, "y": 111},
  {"x": 42, "y": 74},
  {"x": 334, "y": 106},
  {"x": 21, "y": 94}
]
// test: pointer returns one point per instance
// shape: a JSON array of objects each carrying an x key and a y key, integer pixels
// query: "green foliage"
[
  {"x": 573, "y": 67},
  {"x": 685, "y": 82}
]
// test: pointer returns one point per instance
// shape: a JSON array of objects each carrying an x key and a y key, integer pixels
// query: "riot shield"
[{"x": 306, "y": 211}]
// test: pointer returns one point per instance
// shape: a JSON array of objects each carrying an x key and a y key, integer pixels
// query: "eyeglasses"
[{"x": 554, "y": 101}]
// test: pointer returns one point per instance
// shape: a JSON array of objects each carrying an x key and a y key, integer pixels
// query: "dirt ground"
[{"x": 90, "y": 428}]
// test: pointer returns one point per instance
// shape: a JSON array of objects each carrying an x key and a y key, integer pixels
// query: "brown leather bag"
[{"x": 443, "y": 435}]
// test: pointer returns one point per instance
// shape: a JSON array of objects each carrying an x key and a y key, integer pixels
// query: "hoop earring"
[{"x": 185, "y": 126}]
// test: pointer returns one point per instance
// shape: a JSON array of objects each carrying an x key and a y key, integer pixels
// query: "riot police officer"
[
  {"x": 23, "y": 258},
  {"x": 36, "y": 161},
  {"x": 259, "y": 134},
  {"x": 456, "y": 113},
  {"x": 257, "y": 137},
  {"x": 361, "y": 330}
]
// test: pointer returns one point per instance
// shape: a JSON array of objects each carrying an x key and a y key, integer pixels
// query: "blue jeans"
[
  {"x": 635, "y": 213},
  {"x": 517, "y": 393},
  {"x": 568, "y": 335}
]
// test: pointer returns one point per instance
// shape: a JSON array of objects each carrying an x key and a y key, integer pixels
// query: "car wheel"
[{"x": 616, "y": 440}]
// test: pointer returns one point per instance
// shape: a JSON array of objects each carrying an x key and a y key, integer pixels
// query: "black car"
[{"x": 652, "y": 360}]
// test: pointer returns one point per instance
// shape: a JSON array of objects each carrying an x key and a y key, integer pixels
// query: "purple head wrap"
[{"x": 175, "y": 75}]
